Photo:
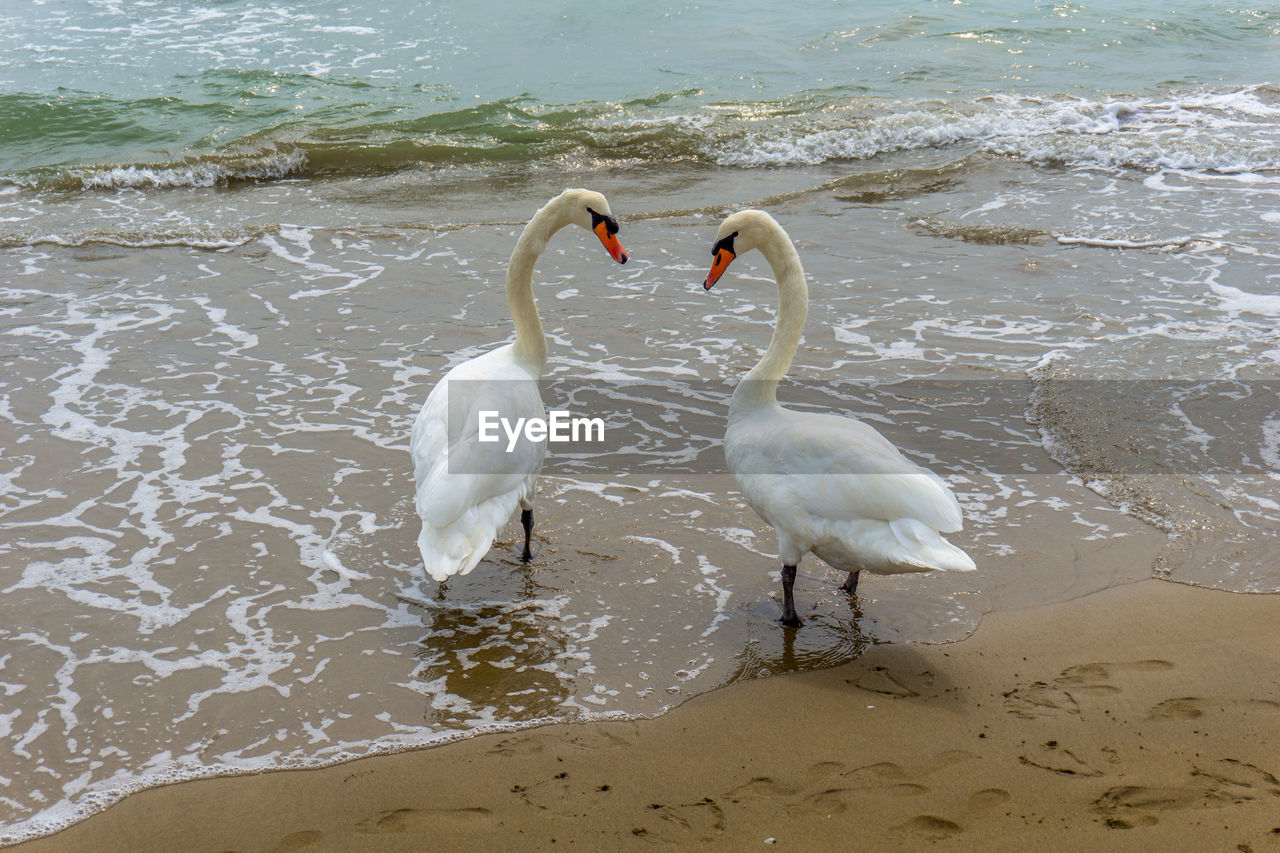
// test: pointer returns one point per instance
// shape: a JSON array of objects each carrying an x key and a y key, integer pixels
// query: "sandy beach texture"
[{"x": 1143, "y": 717}]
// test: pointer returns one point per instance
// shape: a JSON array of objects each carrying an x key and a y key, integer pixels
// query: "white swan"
[
  {"x": 467, "y": 489},
  {"x": 827, "y": 484}
]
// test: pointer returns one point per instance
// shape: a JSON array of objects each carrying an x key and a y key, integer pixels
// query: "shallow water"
[{"x": 1058, "y": 295}]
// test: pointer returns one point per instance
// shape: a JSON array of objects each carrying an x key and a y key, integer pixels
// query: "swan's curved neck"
[
  {"x": 531, "y": 341},
  {"x": 760, "y": 386}
]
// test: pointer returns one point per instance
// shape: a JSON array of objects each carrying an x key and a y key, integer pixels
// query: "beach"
[
  {"x": 1142, "y": 717},
  {"x": 239, "y": 246}
]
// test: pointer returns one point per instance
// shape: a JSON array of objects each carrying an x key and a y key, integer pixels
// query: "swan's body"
[
  {"x": 462, "y": 507},
  {"x": 829, "y": 485},
  {"x": 467, "y": 489}
]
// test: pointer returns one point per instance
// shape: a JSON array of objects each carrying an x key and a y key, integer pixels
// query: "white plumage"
[
  {"x": 831, "y": 485},
  {"x": 467, "y": 489}
]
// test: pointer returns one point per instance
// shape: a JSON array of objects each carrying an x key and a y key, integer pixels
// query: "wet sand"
[{"x": 1142, "y": 717}]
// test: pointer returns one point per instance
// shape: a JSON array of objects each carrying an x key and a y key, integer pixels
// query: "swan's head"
[
  {"x": 590, "y": 210},
  {"x": 740, "y": 233}
]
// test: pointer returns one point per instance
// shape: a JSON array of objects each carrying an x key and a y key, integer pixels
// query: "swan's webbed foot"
[
  {"x": 789, "y": 617},
  {"x": 526, "y": 521},
  {"x": 850, "y": 584}
]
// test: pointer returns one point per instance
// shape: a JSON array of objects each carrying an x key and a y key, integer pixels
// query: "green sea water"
[{"x": 112, "y": 93}]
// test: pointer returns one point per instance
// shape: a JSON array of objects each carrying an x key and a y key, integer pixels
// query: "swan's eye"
[
  {"x": 610, "y": 224},
  {"x": 725, "y": 243}
]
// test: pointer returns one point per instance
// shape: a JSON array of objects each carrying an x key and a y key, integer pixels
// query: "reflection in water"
[
  {"x": 493, "y": 660},
  {"x": 828, "y": 639}
]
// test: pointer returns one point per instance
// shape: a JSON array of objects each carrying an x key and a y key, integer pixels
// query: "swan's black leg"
[
  {"x": 850, "y": 584},
  {"x": 526, "y": 521},
  {"x": 789, "y": 617}
]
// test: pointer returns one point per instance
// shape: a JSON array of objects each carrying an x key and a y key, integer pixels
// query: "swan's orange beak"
[
  {"x": 721, "y": 263},
  {"x": 610, "y": 242}
]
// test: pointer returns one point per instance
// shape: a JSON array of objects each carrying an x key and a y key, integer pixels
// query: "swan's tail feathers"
[
  {"x": 456, "y": 547},
  {"x": 922, "y": 546},
  {"x": 446, "y": 553}
]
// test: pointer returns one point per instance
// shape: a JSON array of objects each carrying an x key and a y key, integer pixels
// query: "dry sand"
[{"x": 1145, "y": 717}]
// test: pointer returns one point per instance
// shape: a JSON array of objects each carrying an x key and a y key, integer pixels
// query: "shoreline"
[{"x": 1145, "y": 714}]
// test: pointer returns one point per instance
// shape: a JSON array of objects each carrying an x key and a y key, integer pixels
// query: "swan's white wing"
[
  {"x": 838, "y": 469},
  {"x": 455, "y": 471}
]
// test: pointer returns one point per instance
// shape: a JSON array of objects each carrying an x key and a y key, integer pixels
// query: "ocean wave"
[
  {"x": 1195, "y": 241},
  {"x": 987, "y": 235},
  {"x": 1231, "y": 133},
  {"x": 357, "y": 141},
  {"x": 211, "y": 239},
  {"x": 207, "y": 171},
  {"x": 1222, "y": 132},
  {"x": 1003, "y": 235}
]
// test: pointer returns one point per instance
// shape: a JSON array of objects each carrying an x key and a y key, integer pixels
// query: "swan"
[
  {"x": 827, "y": 484},
  {"x": 465, "y": 488}
]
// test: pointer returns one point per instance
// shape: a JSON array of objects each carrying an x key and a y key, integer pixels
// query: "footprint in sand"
[
  {"x": 681, "y": 823},
  {"x": 982, "y": 802},
  {"x": 890, "y": 776},
  {"x": 1241, "y": 774},
  {"x": 403, "y": 820},
  {"x": 826, "y": 803},
  {"x": 1194, "y": 707},
  {"x": 824, "y": 769},
  {"x": 928, "y": 827},
  {"x": 1056, "y": 758},
  {"x": 832, "y": 801},
  {"x": 564, "y": 795},
  {"x": 1132, "y": 821},
  {"x": 946, "y": 758},
  {"x": 1226, "y": 782},
  {"x": 877, "y": 775},
  {"x": 829, "y": 789},
  {"x": 883, "y": 778},
  {"x": 880, "y": 680},
  {"x": 1095, "y": 678},
  {"x": 1040, "y": 699},
  {"x": 1185, "y": 708},
  {"x": 759, "y": 787}
]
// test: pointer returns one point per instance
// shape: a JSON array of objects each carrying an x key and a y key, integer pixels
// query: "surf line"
[{"x": 558, "y": 427}]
